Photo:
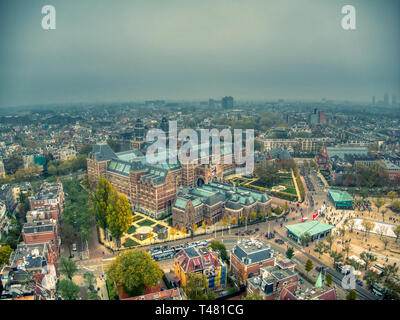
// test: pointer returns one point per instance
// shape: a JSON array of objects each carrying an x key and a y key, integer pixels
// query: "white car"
[{"x": 74, "y": 247}]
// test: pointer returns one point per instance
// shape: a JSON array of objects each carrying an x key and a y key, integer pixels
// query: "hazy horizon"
[{"x": 193, "y": 50}]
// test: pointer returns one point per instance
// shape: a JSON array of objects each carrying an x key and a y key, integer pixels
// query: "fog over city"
[{"x": 105, "y": 51}]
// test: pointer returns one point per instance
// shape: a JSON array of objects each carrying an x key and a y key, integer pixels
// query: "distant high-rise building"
[
  {"x": 164, "y": 125},
  {"x": 227, "y": 102},
  {"x": 313, "y": 118},
  {"x": 394, "y": 100},
  {"x": 373, "y": 100},
  {"x": 211, "y": 103},
  {"x": 386, "y": 99},
  {"x": 321, "y": 117},
  {"x": 139, "y": 130}
]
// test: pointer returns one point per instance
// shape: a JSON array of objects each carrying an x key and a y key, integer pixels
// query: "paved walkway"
[{"x": 296, "y": 186}]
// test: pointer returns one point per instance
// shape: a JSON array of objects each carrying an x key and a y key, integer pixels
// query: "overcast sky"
[{"x": 124, "y": 50}]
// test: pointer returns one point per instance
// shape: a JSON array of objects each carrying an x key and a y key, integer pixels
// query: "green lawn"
[
  {"x": 137, "y": 218},
  {"x": 145, "y": 223},
  {"x": 130, "y": 243},
  {"x": 132, "y": 229}
]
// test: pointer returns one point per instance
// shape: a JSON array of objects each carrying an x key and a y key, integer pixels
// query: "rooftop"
[
  {"x": 312, "y": 227},
  {"x": 251, "y": 251},
  {"x": 340, "y": 196}
]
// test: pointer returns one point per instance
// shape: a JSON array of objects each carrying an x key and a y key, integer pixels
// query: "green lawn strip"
[
  {"x": 132, "y": 229},
  {"x": 130, "y": 243},
  {"x": 145, "y": 223},
  {"x": 137, "y": 218}
]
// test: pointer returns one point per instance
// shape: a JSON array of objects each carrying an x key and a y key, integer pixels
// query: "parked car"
[
  {"x": 74, "y": 247},
  {"x": 360, "y": 283},
  {"x": 279, "y": 241}
]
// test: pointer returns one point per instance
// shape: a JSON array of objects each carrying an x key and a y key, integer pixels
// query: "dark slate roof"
[
  {"x": 154, "y": 174},
  {"x": 119, "y": 166},
  {"x": 215, "y": 198},
  {"x": 191, "y": 252},
  {"x": 233, "y": 205},
  {"x": 103, "y": 152},
  {"x": 38, "y": 228},
  {"x": 255, "y": 256},
  {"x": 233, "y": 197}
]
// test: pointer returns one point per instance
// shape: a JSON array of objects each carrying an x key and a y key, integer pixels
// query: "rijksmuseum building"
[{"x": 159, "y": 190}]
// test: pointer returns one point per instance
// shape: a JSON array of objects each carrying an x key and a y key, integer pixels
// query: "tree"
[
  {"x": 101, "y": 201},
  {"x": 352, "y": 295},
  {"x": 134, "y": 270},
  {"x": 85, "y": 149},
  {"x": 52, "y": 170},
  {"x": 397, "y": 232},
  {"x": 368, "y": 258},
  {"x": 383, "y": 214},
  {"x": 368, "y": 226},
  {"x": 350, "y": 223},
  {"x": 278, "y": 211},
  {"x": 390, "y": 270},
  {"x": 92, "y": 295},
  {"x": 392, "y": 195},
  {"x": 90, "y": 279},
  {"x": 395, "y": 206},
  {"x": 328, "y": 279},
  {"x": 243, "y": 218},
  {"x": 67, "y": 235},
  {"x": 330, "y": 239},
  {"x": 268, "y": 173},
  {"x": 183, "y": 229},
  {"x": 195, "y": 286},
  {"x": 68, "y": 289},
  {"x": 261, "y": 214},
  {"x": 308, "y": 266},
  {"x": 253, "y": 296},
  {"x": 347, "y": 248},
  {"x": 5, "y": 253},
  {"x": 234, "y": 221},
  {"x": 342, "y": 232},
  {"x": 289, "y": 253},
  {"x": 220, "y": 248},
  {"x": 385, "y": 241},
  {"x": 194, "y": 227},
  {"x": 382, "y": 230},
  {"x": 13, "y": 163},
  {"x": 320, "y": 248},
  {"x": 210, "y": 295},
  {"x": 119, "y": 216},
  {"x": 305, "y": 238},
  {"x": 253, "y": 216},
  {"x": 68, "y": 267},
  {"x": 336, "y": 256},
  {"x": 371, "y": 278},
  {"x": 379, "y": 203},
  {"x": 392, "y": 290},
  {"x": 286, "y": 207},
  {"x": 173, "y": 231},
  {"x": 203, "y": 225}
]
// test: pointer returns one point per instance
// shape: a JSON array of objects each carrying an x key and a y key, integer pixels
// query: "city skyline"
[{"x": 130, "y": 51}]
